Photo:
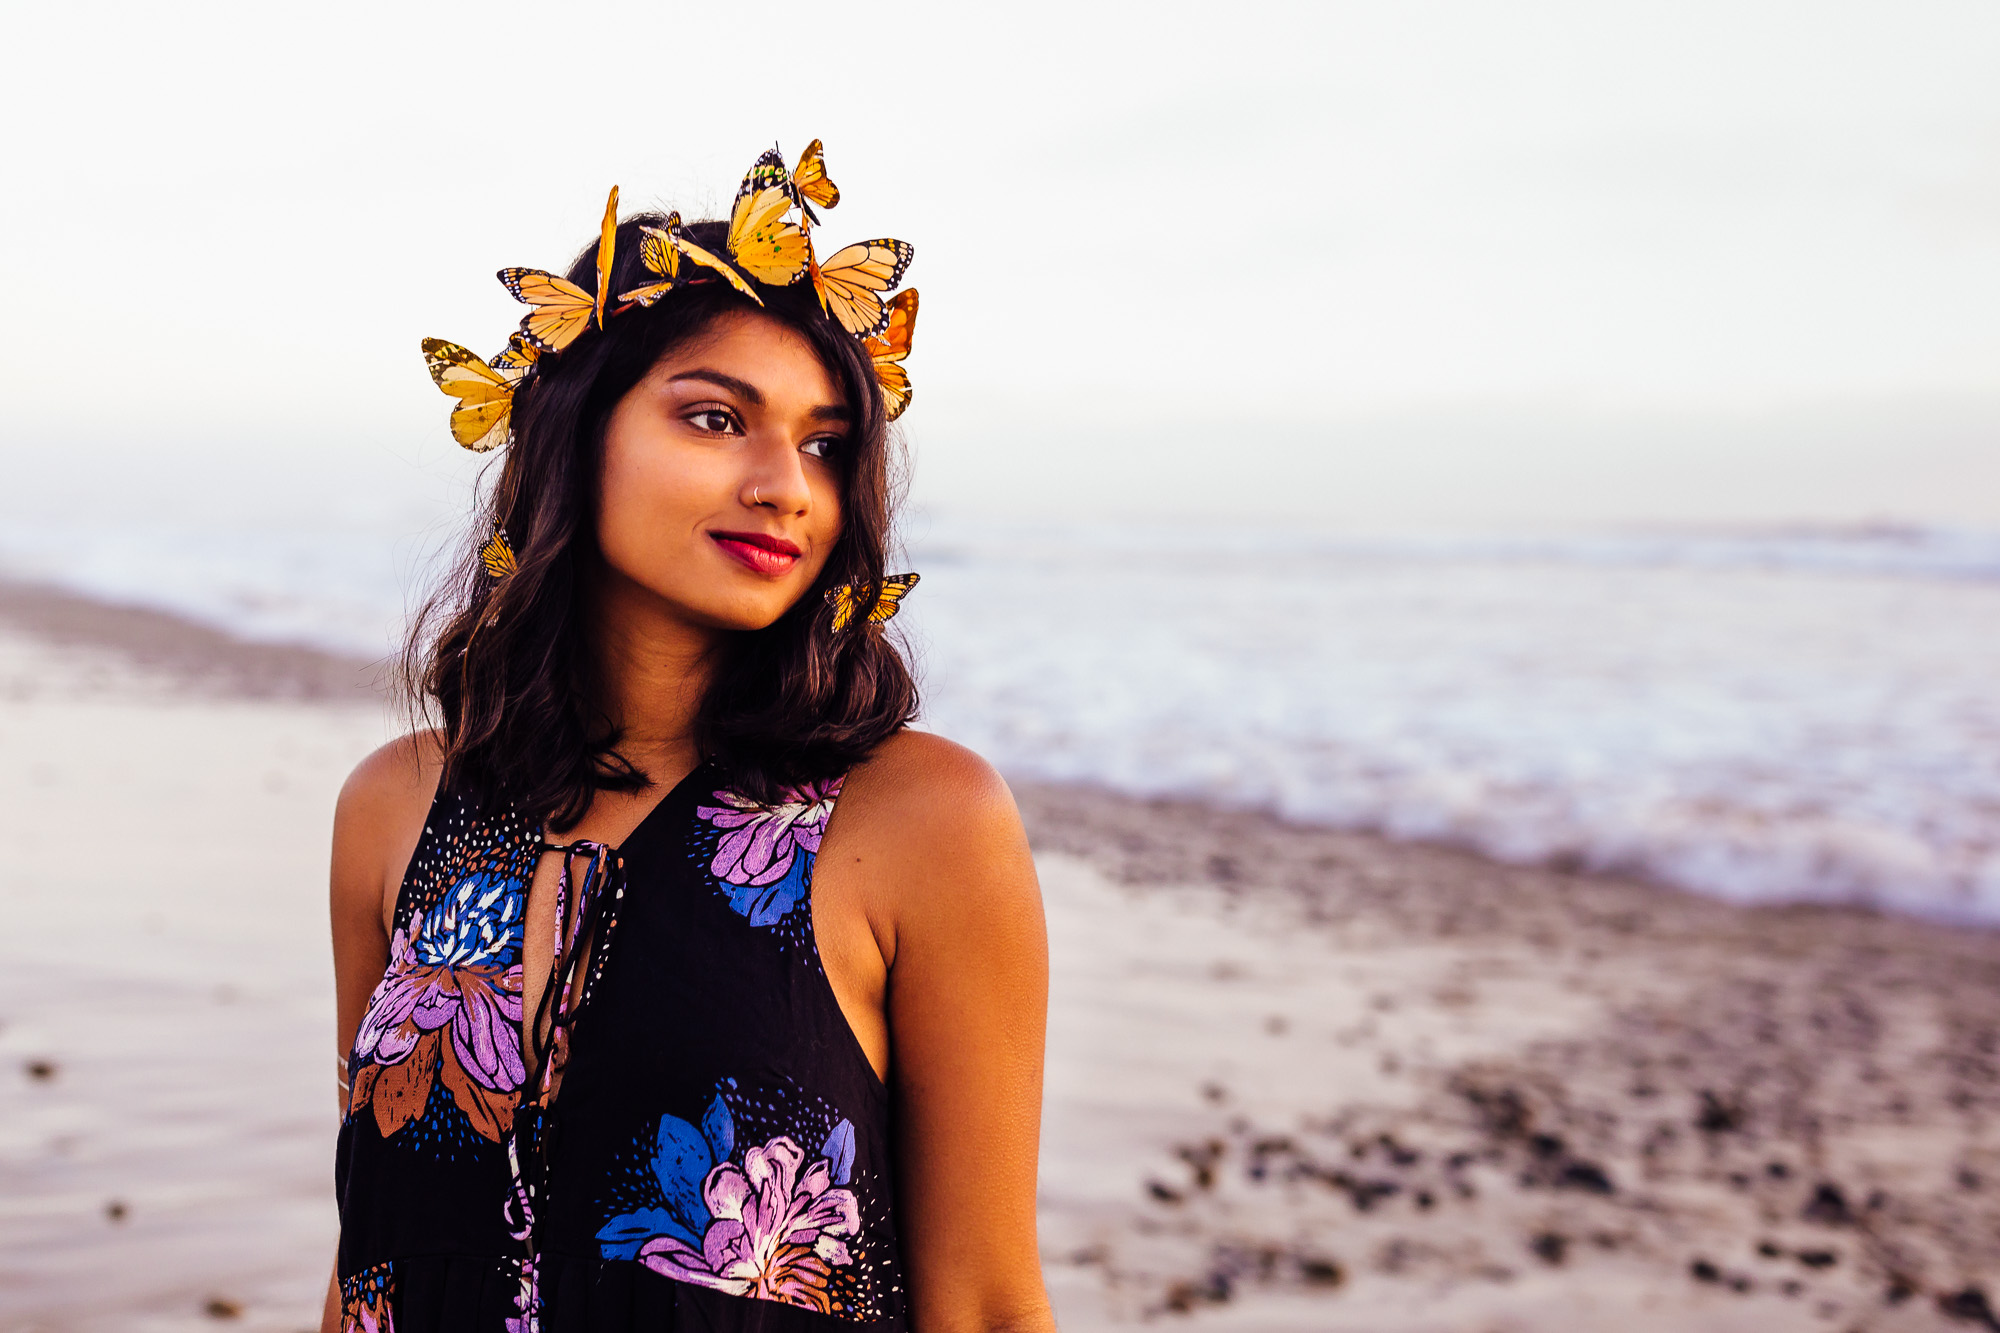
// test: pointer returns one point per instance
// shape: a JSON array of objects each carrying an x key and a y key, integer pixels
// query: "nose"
[{"x": 777, "y": 482}]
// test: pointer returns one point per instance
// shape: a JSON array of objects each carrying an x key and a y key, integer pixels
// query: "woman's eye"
[
  {"x": 821, "y": 448},
  {"x": 712, "y": 419}
]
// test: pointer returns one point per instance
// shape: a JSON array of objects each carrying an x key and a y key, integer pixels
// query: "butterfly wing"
[
  {"x": 607, "y": 241},
  {"x": 485, "y": 395},
  {"x": 497, "y": 557},
  {"x": 708, "y": 259},
  {"x": 852, "y": 278},
  {"x": 767, "y": 172},
  {"x": 517, "y": 359},
  {"x": 657, "y": 250},
  {"x": 888, "y": 348},
  {"x": 561, "y": 309},
  {"x": 891, "y": 601},
  {"x": 762, "y": 241},
  {"x": 846, "y": 602},
  {"x": 648, "y": 294},
  {"x": 660, "y": 255},
  {"x": 810, "y": 183},
  {"x": 842, "y": 600}
]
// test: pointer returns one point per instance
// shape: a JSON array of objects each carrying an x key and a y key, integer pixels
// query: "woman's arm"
[
  {"x": 376, "y": 824},
  {"x": 967, "y": 1006}
]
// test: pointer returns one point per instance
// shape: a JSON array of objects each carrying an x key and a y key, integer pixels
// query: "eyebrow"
[{"x": 754, "y": 396}]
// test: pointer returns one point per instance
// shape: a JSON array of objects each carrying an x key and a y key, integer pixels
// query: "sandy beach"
[{"x": 1298, "y": 1078}]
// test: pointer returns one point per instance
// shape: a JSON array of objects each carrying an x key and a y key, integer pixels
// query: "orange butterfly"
[
  {"x": 888, "y": 349},
  {"x": 497, "y": 556},
  {"x": 660, "y": 250},
  {"x": 485, "y": 392},
  {"x": 811, "y": 185},
  {"x": 850, "y": 282},
  {"x": 563, "y": 310},
  {"x": 846, "y": 601},
  {"x": 761, "y": 241}
]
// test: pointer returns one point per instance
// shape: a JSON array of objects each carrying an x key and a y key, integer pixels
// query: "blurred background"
[{"x": 1565, "y": 432}]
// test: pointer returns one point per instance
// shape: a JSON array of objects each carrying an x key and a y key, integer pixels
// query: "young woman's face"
[{"x": 720, "y": 492}]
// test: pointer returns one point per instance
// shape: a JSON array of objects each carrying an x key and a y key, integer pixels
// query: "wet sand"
[{"x": 1298, "y": 1079}]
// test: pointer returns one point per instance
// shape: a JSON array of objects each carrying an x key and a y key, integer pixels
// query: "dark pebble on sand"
[
  {"x": 1718, "y": 1115},
  {"x": 40, "y": 1070},
  {"x": 116, "y": 1210},
  {"x": 1969, "y": 1306},
  {"x": 1587, "y": 1176},
  {"x": 1701, "y": 1270},
  {"x": 1769, "y": 1249},
  {"x": 1185, "y": 1296},
  {"x": 1818, "y": 1258},
  {"x": 221, "y": 1307},
  {"x": 1317, "y": 1272},
  {"x": 1397, "y": 1153},
  {"x": 1828, "y": 1207},
  {"x": 1162, "y": 1192},
  {"x": 1550, "y": 1247}
]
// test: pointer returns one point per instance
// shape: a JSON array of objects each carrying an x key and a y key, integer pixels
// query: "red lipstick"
[{"x": 759, "y": 552}]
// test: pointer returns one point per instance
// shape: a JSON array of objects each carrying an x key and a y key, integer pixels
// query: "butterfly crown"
[
  {"x": 769, "y": 244},
  {"x": 766, "y": 246}
]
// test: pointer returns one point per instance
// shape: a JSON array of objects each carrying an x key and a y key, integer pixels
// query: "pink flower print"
[
  {"x": 766, "y": 852},
  {"x": 776, "y": 1233},
  {"x": 455, "y": 970}
]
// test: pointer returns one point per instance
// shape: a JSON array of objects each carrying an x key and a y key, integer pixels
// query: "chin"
[{"x": 743, "y": 616}]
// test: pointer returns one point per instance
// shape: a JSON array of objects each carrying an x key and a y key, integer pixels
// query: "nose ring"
[{"x": 756, "y": 495}]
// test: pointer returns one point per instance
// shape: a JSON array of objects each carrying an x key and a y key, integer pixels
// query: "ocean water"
[{"x": 1762, "y": 716}]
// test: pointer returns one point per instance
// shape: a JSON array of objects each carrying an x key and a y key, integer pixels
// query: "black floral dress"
[{"x": 703, "y": 1144}]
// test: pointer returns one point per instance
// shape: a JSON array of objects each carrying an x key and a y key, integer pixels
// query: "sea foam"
[{"x": 1763, "y": 716}]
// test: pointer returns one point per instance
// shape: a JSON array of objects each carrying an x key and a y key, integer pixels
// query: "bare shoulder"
[
  {"x": 925, "y": 773},
  {"x": 378, "y": 820},
  {"x": 394, "y": 780},
  {"x": 931, "y": 788},
  {"x": 931, "y": 829}
]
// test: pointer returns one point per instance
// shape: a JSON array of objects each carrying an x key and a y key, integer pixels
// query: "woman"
[{"x": 682, "y": 985}]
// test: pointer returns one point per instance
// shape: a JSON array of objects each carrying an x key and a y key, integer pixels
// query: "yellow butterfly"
[
  {"x": 761, "y": 241},
  {"x": 847, "y": 604},
  {"x": 517, "y": 358},
  {"x": 498, "y": 557},
  {"x": 811, "y": 185},
  {"x": 563, "y": 310},
  {"x": 888, "y": 349},
  {"x": 849, "y": 283},
  {"x": 485, "y": 392},
  {"x": 660, "y": 250}
]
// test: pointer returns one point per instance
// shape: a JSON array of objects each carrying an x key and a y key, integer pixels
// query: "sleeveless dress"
[{"x": 695, "y": 1141}]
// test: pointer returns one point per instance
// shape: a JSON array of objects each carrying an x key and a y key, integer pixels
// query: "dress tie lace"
[{"x": 586, "y": 908}]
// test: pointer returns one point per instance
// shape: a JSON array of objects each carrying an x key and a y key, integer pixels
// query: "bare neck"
[{"x": 653, "y": 668}]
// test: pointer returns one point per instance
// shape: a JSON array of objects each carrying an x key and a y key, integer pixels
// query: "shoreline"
[
  {"x": 190, "y": 655},
  {"x": 200, "y": 658},
  {"x": 1298, "y": 1078}
]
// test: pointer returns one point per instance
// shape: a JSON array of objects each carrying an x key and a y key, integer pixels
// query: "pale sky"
[{"x": 1430, "y": 261}]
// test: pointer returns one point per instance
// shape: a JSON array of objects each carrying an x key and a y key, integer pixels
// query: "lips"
[{"x": 759, "y": 552}]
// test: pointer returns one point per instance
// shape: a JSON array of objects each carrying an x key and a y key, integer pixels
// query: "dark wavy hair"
[{"x": 506, "y": 670}]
